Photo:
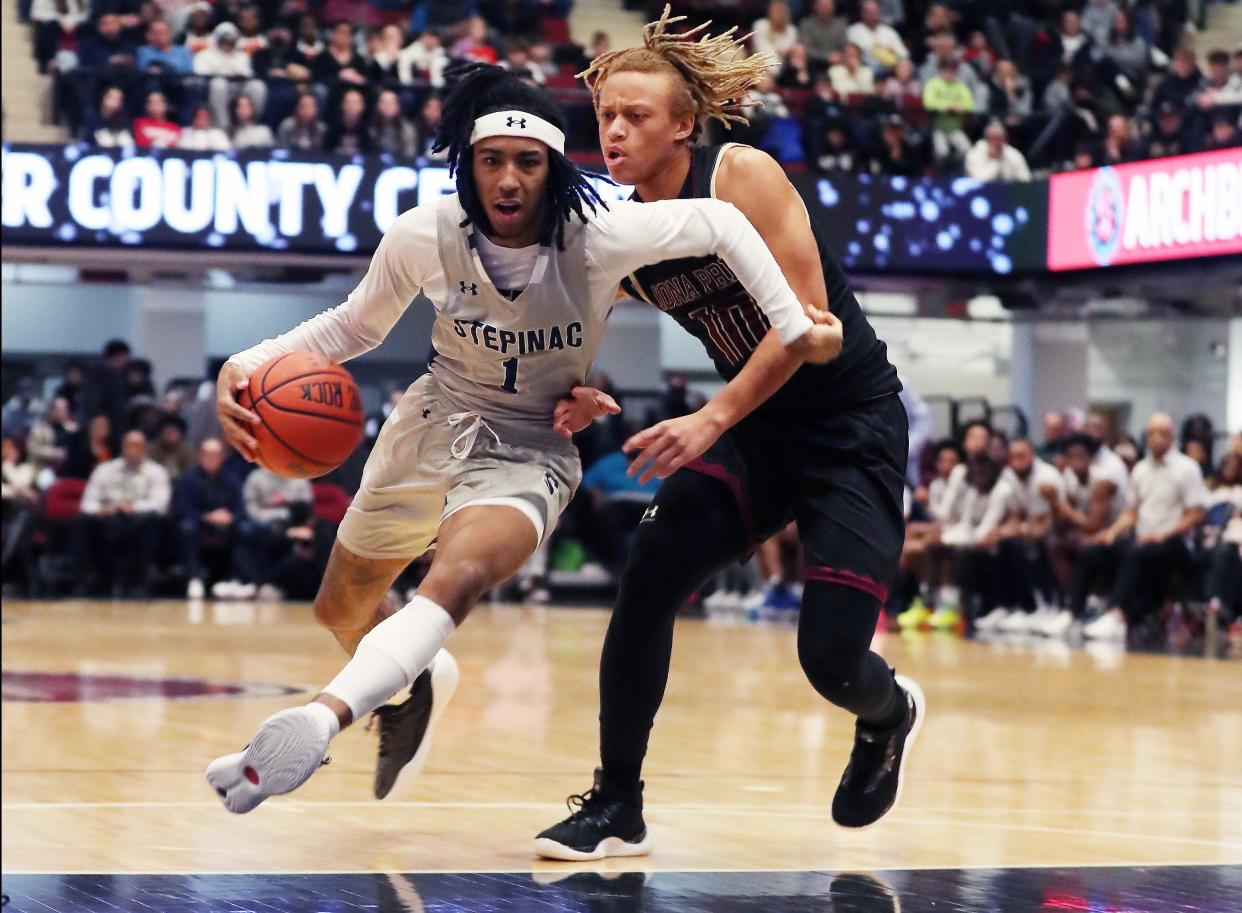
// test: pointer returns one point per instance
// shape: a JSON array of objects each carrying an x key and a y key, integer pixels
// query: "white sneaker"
[
  {"x": 1016, "y": 622},
  {"x": 270, "y": 593},
  {"x": 993, "y": 620},
  {"x": 1058, "y": 624},
  {"x": 195, "y": 589},
  {"x": 287, "y": 748},
  {"x": 244, "y": 590},
  {"x": 1109, "y": 626},
  {"x": 223, "y": 589},
  {"x": 716, "y": 602}
]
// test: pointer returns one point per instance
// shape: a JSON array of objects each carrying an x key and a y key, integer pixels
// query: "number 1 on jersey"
[{"x": 510, "y": 366}]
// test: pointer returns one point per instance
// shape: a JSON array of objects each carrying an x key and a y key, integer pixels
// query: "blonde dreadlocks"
[{"x": 715, "y": 74}]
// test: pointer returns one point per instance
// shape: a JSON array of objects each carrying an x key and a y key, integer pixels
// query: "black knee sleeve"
[{"x": 835, "y": 629}]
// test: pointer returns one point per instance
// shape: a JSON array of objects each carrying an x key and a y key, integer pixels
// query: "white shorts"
[{"x": 429, "y": 462}]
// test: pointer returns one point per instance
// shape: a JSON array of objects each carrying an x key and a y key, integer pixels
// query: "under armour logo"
[
  {"x": 516, "y": 122},
  {"x": 471, "y": 287},
  {"x": 552, "y": 482},
  {"x": 649, "y": 514},
  {"x": 426, "y": 412}
]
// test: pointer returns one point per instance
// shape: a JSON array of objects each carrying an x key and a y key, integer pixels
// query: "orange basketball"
[{"x": 311, "y": 414}]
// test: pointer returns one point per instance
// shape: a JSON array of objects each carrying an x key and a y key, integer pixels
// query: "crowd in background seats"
[
  {"x": 900, "y": 87},
  {"x": 109, "y": 491}
]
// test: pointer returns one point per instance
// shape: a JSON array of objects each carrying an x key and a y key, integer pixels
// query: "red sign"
[{"x": 1146, "y": 212}]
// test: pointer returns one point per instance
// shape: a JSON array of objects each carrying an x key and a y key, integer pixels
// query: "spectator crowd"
[{"x": 894, "y": 87}]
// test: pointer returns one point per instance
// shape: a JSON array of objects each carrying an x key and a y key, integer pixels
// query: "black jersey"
[{"x": 704, "y": 296}]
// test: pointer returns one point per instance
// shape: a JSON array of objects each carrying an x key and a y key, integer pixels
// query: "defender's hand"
[
  {"x": 235, "y": 421},
  {"x": 822, "y": 342},
  {"x": 670, "y": 445},
  {"x": 583, "y": 406}
]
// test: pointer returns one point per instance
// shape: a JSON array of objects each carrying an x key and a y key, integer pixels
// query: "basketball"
[{"x": 311, "y": 414}]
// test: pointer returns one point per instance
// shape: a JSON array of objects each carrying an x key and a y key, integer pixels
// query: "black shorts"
[{"x": 841, "y": 477}]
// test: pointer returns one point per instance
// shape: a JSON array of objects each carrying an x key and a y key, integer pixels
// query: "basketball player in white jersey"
[{"x": 469, "y": 460}]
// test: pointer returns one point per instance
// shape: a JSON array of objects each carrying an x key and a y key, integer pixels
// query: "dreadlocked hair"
[
  {"x": 476, "y": 89},
  {"x": 712, "y": 73}
]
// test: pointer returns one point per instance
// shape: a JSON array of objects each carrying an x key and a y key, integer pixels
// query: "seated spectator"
[
  {"x": 850, "y": 77},
  {"x": 1129, "y": 54},
  {"x": 774, "y": 35},
  {"x": 202, "y": 135},
  {"x": 618, "y": 501},
  {"x": 47, "y": 445},
  {"x": 138, "y": 378},
  {"x": 198, "y": 27},
  {"x": 1180, "y": 85},
  {"x": 22, "y": 409},
  {"x": 208, "y": 506},
  {"x": 832, "y": 149},
  {"x": 110, "y": 126},
  {"x": 1009, "y": 94},
  {"x": 1167, "y": 500},
  {"x": 1170, "y": 135},
  {"x": 1034, "y": 489},
  {"x": 160, "y": 56},
  {"x": 70, "y": 386},
  {"x": 1223, "y": 583},
  {"x": 1224, "y": 134},
  {"x": 796, "y": 72},
  {"x": 121, "y": 520},
  {"x": 229, "y": 71},
  {"x": 384, "y": 49},
  {"x": 155, "y": 130},
  {"x": 169, "y": 448},
  {"x": 978, "y": 53},
  {"x": 939, "y": 23},
  {"x": 1234, "y": 85},
  {"x": 948, "y": 457},
  {"x": 993, "y": 159},
  {"x": 542, "y": 61},
  {"x": 303, "y": 130},
  {"x": 250, "y": 38},
  {"x": 882, "y": 47},
  {"x": 1118, "y": 145},
  {"x": 1069, "y": 46},
  {"x": 1220, "y": 88},
  {"x": 903, "y": 83},
  {"x": 340, "y": 61},
  {"x": 19, "y": 506},
  {"x": 56, "y": 22},
  {"x": 310, "y": 43},
  {"x": 949, "y": 102},
  {"x": 894, "y": 153},
  {"x": 349, "y": 134},
  {"x": 985, "y": 508},
  {"x": 244, "y": 132},
  {"x": 108, "y": 52},
  {"x": 298, "y": 574},
  {"x": 1098, "y": 18},
  {"x": 88, "y": 449},
  {"x": 822, "y": 33},
  {"x": 390, "y": 132},
  {"x": 270, "y": 501},
  {"x": 424, "y": 59},
  {"x": 517, "y": 61},
  {"x": 945, "y": 48},
  {"x": 474, "y": 45},
  {"x": 427, "y": 125}
]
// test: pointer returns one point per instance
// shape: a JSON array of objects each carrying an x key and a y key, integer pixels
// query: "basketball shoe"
[
  {"x": 286, "y": 749},
  {"x": 605, "y": 821},
  {"x": 871, "y": 784},
  {"x": 405, "y": 728}
]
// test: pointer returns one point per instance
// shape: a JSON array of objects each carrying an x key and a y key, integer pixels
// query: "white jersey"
[{"x": 509, "y": 361}]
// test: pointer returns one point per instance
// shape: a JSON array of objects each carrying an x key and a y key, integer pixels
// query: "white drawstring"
[{"x": 464, "y": 442}]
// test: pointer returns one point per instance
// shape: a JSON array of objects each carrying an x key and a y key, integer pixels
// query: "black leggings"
[{"x": 694, "y": 531}]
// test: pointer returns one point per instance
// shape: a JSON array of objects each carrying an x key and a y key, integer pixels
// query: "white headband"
[{"x": 518, "y": 123}]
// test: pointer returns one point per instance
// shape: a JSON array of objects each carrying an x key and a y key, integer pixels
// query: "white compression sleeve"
[{"x": 391, "y": 656}]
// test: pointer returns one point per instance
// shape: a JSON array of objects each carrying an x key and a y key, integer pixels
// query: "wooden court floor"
[{"x": 1029, "y": 757}]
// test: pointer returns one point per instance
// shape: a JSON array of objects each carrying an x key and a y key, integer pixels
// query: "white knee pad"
[{"x": 392, "y": 655}]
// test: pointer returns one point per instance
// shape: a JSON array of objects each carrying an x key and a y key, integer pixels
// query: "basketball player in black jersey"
[{"x": 824, "y": 445}]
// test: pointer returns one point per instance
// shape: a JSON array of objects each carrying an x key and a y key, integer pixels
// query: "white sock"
[
  {"x": 949, "y": 596},
  {"x": 328, "y": 715},
  {"x": 391, "y": 656}
]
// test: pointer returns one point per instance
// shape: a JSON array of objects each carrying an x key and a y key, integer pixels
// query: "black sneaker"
[
  {"x": 405, "y": 728},
  {"x": 871, "y": 784},
  {"x": 604, "y": 821}
]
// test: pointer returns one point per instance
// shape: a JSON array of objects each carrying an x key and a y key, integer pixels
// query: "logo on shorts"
[
  {"x": 516, "y": 122},
  {"x": 649, "y": 514},
  {"x": 552, "y": 482},
  {"x": 471, "y": 287}
]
